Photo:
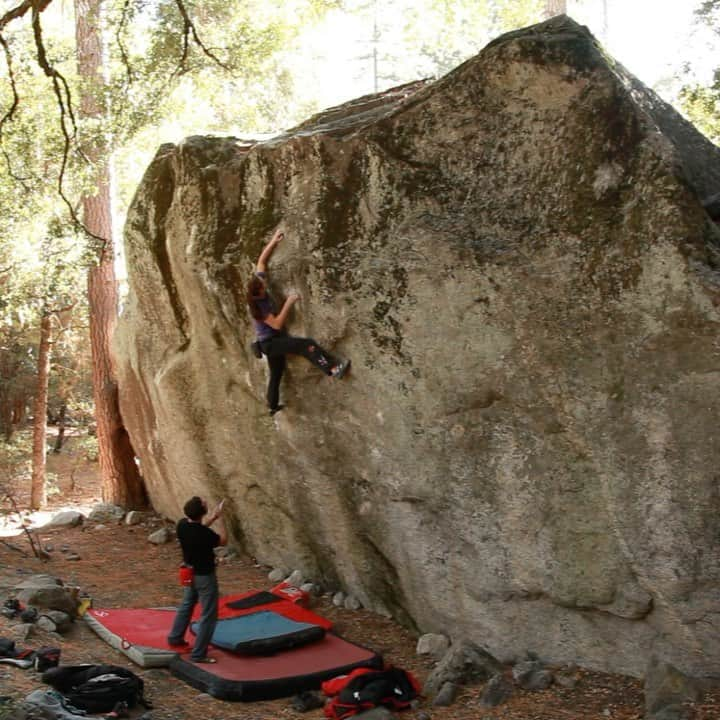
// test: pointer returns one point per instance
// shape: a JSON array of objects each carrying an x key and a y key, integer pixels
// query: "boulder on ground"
[
  {"x": 352, "y": 603},
  {"x": 62, "y": 621},
  {"x": 446, "y": 695},
  {"x": 47, "y": 592},
  {"x": 134, "y": 517},
  {"x": 66, "y": 518},
  {"x": 432, "y": 644},
  {"x": 464, "y": 663},
  {"x": 106, "y": 512},
  {"x": 497, "y": 691},
  {"x": 277, "y": 575},
  {"x": 532, "y": 675},
  {"x": 161, "y": 536},
  {"x": 518, "y": 260}
]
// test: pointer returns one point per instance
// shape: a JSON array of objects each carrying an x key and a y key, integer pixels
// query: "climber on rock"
[{"x": 273, "y": 340}]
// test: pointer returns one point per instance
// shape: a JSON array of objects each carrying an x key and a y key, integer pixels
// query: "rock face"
[{"x": 517, "y": 259}]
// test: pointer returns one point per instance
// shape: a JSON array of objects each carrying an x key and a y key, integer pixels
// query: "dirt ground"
[{"x": 118, "y": 567}]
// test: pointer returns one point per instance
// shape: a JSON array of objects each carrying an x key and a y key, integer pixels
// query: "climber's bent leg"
[{"x": 307, "y": 348}]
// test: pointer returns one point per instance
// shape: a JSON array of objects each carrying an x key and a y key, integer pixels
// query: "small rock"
[
  {"x": 63, "y": 622},
  {"x": 277, "y": 575},
  {"x": 160, "y": 537},
  {"x": 309, "y": 588},
  {"x": 497, "y": 691},
  {"x": 569, "y": 682},
  {"x": 295, "y": 578},
  {"x": 530, "y": 675},
  {"x": 423, "y": 715},
  {"x": 66, "y": 518},
  {"x": 203, "y": 696},
  {"x": 134, "y": 517},
  {"x": 72, "y": 556},
  {"x": 432, "y": 644},
  {"x": 100, "y": 527},
  {"x": 539, "y": 681},
  {"x": 46, "y": 624},
  {"x": 446, "y": 696},
  {"x": 339, "y": 599},
  {"x": 352, "y": 603},
  {"x": 106, "y": 512}
]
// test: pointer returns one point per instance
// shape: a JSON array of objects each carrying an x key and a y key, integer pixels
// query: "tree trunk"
[
  {"x": 121, "y": 480},
  {"x": 37, "y": 487},
  {"x": 61, "y": 429},
  {"x": 555, "y": 7}
]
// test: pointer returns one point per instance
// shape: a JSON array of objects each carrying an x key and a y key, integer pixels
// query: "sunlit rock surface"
[{"x": 517, "y": 259}]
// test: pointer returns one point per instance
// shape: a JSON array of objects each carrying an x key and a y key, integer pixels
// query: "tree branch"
[
  {"x": 11, "y": 172},
  {"x": 118, "y": 39},
  {"x": 189, "y": 29},
  {"x": 34, "y": 543},
  {"x": 21, "y": 9},
  {"x": 11, "y": 79},
  {"x": 64, "y": 102}
]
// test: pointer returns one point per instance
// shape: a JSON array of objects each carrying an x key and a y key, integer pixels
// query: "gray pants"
[{"x": 204, "y": 590}]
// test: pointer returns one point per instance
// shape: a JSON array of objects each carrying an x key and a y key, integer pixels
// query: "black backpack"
[
  {"x": 97, "y": 688},
  {"x": 392, "y": 688}
]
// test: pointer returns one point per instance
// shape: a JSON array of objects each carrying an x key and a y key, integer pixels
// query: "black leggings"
[{"x": 277, "y": 347}]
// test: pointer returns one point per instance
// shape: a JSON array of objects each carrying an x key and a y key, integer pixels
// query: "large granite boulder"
[{"x": 517, "y": 259}]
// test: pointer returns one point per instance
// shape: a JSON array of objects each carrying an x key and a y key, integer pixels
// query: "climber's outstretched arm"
[{"x": 268, "y": 250}]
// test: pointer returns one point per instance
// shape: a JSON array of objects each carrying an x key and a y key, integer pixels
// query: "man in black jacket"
[{"x": 198, "y": 542}]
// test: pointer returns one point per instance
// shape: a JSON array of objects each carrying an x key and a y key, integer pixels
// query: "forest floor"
[{"x": 118, "y": 567}]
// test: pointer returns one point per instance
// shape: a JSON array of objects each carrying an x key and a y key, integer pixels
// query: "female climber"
[{"x": 274, "y": 342}]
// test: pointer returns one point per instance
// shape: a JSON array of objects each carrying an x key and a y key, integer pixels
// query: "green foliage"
[
  {"x": 701, "y": 102},
  {"x": 15, "y": 464},
  {"x": 702, "y": 106},
  {"x": 45, "y": 275}
]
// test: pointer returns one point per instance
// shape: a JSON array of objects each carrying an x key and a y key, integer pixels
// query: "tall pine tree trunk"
[
  {"x": 121, "y": 480},
  {"x": 37, "y": 487}
]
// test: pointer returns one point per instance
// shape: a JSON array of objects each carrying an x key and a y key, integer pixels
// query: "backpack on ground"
[
  {"x": 7, "y": 647},
  {"x": 45, "y": 658},
  {"x": 392, "y": 688},
  {"x": 97, "y": 688}
]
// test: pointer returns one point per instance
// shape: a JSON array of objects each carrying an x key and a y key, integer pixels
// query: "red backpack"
[{"x": 364, "y": 689}]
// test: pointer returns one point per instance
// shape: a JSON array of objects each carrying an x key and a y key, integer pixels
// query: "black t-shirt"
[{"x": 197, "y": 542}]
